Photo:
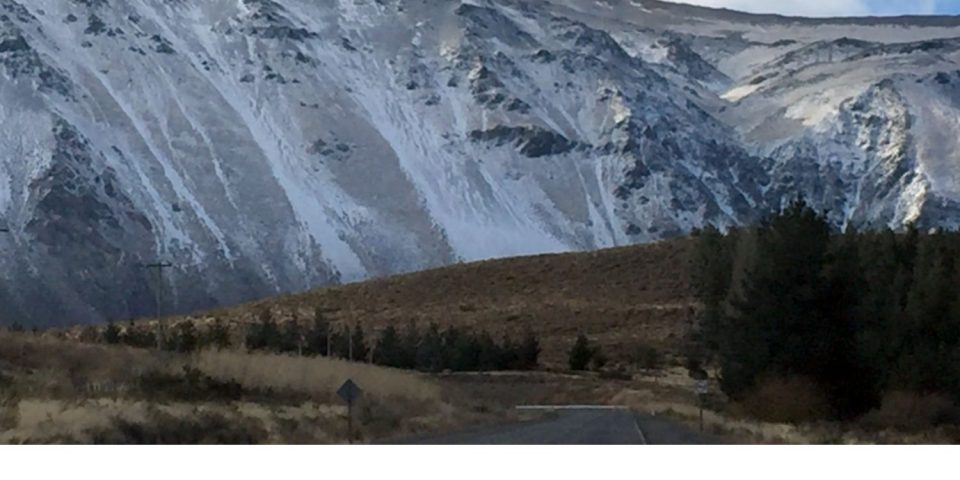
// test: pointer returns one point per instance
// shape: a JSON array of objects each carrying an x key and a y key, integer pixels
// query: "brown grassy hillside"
[{"x": 619, "y": 297}]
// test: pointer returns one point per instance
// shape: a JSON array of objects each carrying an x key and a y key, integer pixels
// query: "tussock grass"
[
  {"x": 58, "y": 391},
  {"x": 314, "y": 376}
]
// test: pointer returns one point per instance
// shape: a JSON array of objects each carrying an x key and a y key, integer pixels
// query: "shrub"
[
  {"x": 165, "y": 429},
  {"x": 911, "y": 411},
  {"x": 111, "y": 334},
  {"x": 359, "y": 341},
  {"x": 581, "y": 354},
  {"x": 598, "y": 360},
  {"x": 647, "y": 357},
  {"x": 529, "y": 352},
  {"x": 291, "y": 338},
  {"x": 787, "y": 400},
  {"x": 217, "y": 336},
  {"x": 316, "y": 335},
  {"x": 264, "y": 335},
  {"x": 184, "y": 338},
  {"x": 138, "y": 337},
  {"x": 189, "y": 385},
  {"x": 388, "y": 350}
]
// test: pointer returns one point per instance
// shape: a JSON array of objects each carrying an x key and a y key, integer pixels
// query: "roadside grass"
[
  {"x": 902, "y": 419},
  {"x": 56, "y": 391}
]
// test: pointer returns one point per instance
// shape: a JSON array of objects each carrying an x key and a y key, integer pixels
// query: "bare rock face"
[{"x": 269, "y": 146}]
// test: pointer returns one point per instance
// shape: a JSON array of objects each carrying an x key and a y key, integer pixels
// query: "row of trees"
[
  {"x": 430, "y": 350},
  {"x": 453, "y": 349},
  {"x": 857, "y": 313}
]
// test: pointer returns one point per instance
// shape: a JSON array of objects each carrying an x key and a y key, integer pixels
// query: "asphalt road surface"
[{"x": 578, "y": 426}]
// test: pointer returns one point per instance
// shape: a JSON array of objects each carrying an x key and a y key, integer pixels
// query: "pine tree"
[
  {"x": 111, "y": 334},
  {"x": 263, "y": 335},
  {"x": 185, "y": 338},
  {"x": 360, "y": 350},
  {"x": 340, "y": 343},
  {"x": 217, "y": 336},
  {"x": 581, "y": 354},
  {"x": 411, "y": 344},
  {"x": 316, "y": 335},
  {"x": 389, "y": 348},
  {"x": 529, "y": 351},
  {"x": 776, "y": 325},
  {"x": 711, "y": 273},
  {"x": 509, "y": 354},
  {"x": 489, "y": 354},
  {"x": 469, "y": 353},
  {"x": 291, "y": 338},
  {"x": 430, "y": 351}
]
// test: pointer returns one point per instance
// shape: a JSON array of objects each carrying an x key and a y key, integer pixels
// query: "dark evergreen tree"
[
  {"x": 509, "y": 354},
  {"x": 316, "y": 335},
  {"x": 430, "y": 351},
  {"x": 389, "y": 348},
  {"x": 292, "y": 338},
  {"x": 111, "y": 334},
  {"x": 361, "y": 352},
  {"x": 581, "y": 354},
  {"x": 263, "y": 335},
  {"x": 184, "y": 338},
  {"x": 340, "y": 343},
  {"x": 466, "y": 352},
  {"x": 711, "y": 273},
  {"x": 529, "y": 351},
  {"x": 489, "y": 354},
  {"x": 776, "y": 325},
  {"x": 411, "y": 344},
  {"x": 217, "y": 336}
]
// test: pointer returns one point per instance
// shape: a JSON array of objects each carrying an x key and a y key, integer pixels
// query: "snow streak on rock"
[{"x": 268, "y": 146}]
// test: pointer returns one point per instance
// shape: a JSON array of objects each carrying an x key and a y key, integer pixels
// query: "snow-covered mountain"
[{"x": 266, "y": 146}]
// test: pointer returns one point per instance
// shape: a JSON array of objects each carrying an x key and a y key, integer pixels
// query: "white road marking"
[
  {"x": 636, "y": 424},
  {"x": 643, "y": 439}
]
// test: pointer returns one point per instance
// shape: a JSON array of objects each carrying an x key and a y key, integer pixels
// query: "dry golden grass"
[
  {"x": 57, "y": 391},
  {"x": 622, "y": 298},
  {"x": 314, "y": 376}
]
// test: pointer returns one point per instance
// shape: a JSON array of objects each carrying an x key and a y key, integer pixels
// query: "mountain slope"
[
  {"x": 623, "y": 298},
  {"x": 269, "y": 146}
]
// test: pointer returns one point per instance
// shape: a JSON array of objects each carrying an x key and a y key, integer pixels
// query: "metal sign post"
[
  {"x": 702, "y": 388},
  {"x": 349, "y": 392}
]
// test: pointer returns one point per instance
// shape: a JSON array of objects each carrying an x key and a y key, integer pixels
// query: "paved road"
[{"x": 578, "y": 426}]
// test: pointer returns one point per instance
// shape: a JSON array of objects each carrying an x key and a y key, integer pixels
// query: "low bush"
[
  {"x": 787, "y": 400},
  {"x": 912, "y": 411},
  {"x": 190, "y": 385},
  {"x": 164, "y": 429},
  {"x": 647, "y": 357}
]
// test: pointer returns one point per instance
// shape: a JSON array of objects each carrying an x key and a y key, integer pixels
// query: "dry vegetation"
[
  {"x": 632, "y": 302},
  {"x": 55, "y": 391},
  {"x": 622, "y": 298}
]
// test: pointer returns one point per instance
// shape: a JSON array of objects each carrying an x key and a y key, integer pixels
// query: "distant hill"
[{"x": 620, "y": 298}]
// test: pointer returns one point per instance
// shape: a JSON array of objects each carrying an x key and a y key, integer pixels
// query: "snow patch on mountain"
[{"x": 268, "y": 146}]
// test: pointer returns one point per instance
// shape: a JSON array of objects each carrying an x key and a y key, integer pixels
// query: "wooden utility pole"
[
  {"x": 350, "y": 343},
  {"x": 158, "y": 298},
  {"x": 329, "y": 330}
]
